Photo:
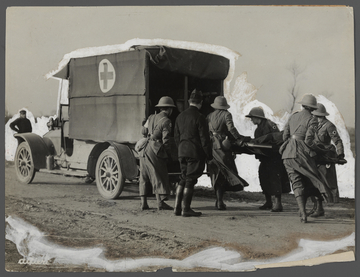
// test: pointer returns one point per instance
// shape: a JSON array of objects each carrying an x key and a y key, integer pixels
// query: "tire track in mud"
[
  {"x": 76, "y": 228},
  {"x": 72, "y": 214}
]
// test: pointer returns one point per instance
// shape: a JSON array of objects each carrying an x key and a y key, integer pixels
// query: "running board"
[
  {"x": 179, "y": 173},
  {"x": 75, "y": 173}
]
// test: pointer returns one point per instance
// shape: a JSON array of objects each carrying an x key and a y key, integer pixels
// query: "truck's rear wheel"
[
  {"x": 109, "y": 179},
  {"x": 24, "y": 165}
]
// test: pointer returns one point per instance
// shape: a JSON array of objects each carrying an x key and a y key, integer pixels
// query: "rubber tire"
[
  {"x": 112, "y": 189},
  {"x": 24, "y": 173}
]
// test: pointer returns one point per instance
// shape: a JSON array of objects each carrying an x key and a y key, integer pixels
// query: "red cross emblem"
[{"x": 106, "y": 75}]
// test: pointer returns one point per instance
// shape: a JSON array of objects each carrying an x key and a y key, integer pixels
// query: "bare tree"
[{"x": 295, "y": 70}]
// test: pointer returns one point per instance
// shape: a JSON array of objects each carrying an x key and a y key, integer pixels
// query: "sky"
[{"x": 319, "y": 41}]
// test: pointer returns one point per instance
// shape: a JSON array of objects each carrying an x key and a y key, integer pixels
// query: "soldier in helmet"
[
  {"x": 194, "y": 148},
  {"x": 153, "y": 157},
  {"x": 298, "y": 154},
  {"x": 325, "y": 134},
  {"x": 272, "y": 173},
  {"x": 21, "y": 124},
  {"x": 223, "y": 172}
]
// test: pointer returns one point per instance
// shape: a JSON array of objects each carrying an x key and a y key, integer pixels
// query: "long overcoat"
[
  {"x": 222, "y": 168},
  {"x": 153, "y": 157},
  {"x": 325, "y": 134},
  {"x": 298, "y": 154},
  {"x": 272, "y": 174}
]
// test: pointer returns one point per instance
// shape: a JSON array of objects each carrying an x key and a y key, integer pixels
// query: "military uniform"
[
  {"x": 325, "y": 134},
  {"x": 298, "y": 155},
  {"x": 153, "y": 158},
  {"x": 222, "y": 168},
  {"x": 192, "y": 138},
  {"x": 272, "y": 174}
]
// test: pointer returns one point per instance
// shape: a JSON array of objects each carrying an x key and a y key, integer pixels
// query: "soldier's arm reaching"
[{"x": 240, "y": 139}]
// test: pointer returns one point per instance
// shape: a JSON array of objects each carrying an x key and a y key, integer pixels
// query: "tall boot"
[
  {"x": 319, "y": 209},
  {"x": 161, "y": 202},
  {"x": 219, "y": 204},
  {"x": 277, "y": 206},
  {"x": 315, "y": 205},
  {"x": 300, "y": 199},
  {"x": 178, "y": 198},
  {"x": 144, "y": 204},
  {"x": 268, "y": 203},
  {"x": 187, "y": 197}
]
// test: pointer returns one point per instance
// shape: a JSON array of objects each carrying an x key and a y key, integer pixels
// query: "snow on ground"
[
  {"x": 39, "y": 127},
  {"x": 241, "y": 99},
  {"x": 33, "y": 246},
  {"x": 247, "y": 164}
]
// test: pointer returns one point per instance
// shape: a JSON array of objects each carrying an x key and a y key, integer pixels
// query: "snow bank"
[
  {"x": 33, "y": 246},
  {"x": 345, "y": 173},
  {"x": 39, "y": 127},
  {"x": 242, "y": 99},
  {"x": 247, "y": 164}
]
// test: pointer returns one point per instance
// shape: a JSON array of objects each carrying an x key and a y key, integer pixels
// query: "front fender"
[
  {"x": 129, "y": 168},
  {"x": 94, "y": 155},
  {"x": 40, "y": 148},
  {"x": 127, "y": 160}
]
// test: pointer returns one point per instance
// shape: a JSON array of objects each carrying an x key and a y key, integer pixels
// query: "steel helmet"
[
  {"x": 220, "y": 103},
  {"x": 309, "y": 100},
  {"x": 256, "y": 112},
  {"x": 320, "y": 111},
  {"x": 165, "y": 102}
]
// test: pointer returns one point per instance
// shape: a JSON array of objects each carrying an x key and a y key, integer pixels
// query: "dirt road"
[{"x": 73, "y": 213}]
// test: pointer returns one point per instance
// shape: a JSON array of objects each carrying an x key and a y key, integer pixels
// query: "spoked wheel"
[
  {"x": 109, "y": 179},
  {"x": 24, "y": 165}
]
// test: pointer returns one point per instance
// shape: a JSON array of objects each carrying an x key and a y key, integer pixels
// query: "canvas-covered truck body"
[{"x": 108, "y": 98}]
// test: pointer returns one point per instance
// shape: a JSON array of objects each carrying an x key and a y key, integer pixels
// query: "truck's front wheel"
[
  {"x": 109, "y": 179},
  {"x": 24, "y": 164}
]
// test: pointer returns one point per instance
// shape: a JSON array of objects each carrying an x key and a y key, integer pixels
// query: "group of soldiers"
[
  {"x": 302, "y": 155},
  {"x": 309, "y": 156}
]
